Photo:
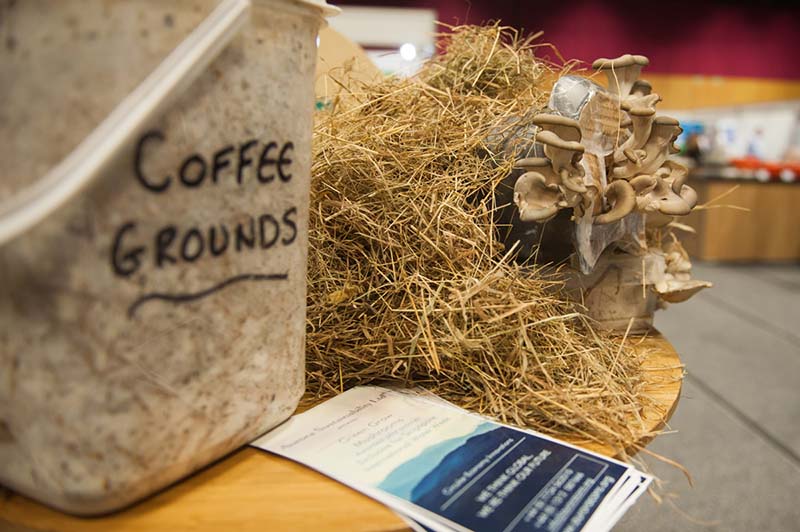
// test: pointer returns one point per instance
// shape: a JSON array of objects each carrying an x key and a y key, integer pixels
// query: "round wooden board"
[{"x": 252, "y": 490}]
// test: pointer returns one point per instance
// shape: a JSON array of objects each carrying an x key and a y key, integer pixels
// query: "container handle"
[{"x": 126, "y": 121}]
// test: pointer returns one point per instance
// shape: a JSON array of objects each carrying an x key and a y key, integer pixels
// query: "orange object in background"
[{"x": 767, "y": 170}]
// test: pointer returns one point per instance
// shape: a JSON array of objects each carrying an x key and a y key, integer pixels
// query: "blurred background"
[{"x": 730, "y": 72}]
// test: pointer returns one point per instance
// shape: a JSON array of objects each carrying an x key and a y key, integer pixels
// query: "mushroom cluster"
[
  {"x": 558, "y": 180},
  {"x": 677, "y": 284},
  {"x": 638, "y": 175},
  {"x": 640, "y": 159},
  {"x": 605, "y": 154}
]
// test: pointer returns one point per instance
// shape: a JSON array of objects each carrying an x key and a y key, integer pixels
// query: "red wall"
[{"x": 725, "y": 38}]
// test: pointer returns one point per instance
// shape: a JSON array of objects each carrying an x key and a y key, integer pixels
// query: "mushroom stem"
[
  {"x": 663, "y": 132},
  {"x": 562, "y": 154},
  {"x": 642, "y": 122}
]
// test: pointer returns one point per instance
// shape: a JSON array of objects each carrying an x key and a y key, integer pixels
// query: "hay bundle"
[{"x": 407, "y": 280}]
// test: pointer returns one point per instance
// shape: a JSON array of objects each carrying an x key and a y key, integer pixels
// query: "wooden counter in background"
[
  {"x": 251, "y": 490},
  {"x": 770, "y": 231}
]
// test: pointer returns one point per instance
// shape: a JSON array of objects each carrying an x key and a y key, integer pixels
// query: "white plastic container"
[{"x": 152, "y": 284}]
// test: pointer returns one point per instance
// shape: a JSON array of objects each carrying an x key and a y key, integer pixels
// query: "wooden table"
[{"x": 252, "y": 490}]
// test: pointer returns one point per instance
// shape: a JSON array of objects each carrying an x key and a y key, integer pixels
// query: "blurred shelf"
[
  {"x": 732, "y": 174},
  {"x": 251, "y": 490},
  {"x": 753, "y": 221}
]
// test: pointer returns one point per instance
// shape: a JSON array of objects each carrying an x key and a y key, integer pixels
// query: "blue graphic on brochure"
[{"x": 498, "y": 478}]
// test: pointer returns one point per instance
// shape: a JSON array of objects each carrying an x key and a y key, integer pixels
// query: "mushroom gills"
[{"x": 536, "y": 200}]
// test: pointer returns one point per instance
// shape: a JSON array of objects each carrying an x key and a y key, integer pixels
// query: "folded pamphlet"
[{"x": 448, "y": 469}]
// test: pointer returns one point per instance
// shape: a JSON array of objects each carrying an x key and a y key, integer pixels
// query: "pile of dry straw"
[{"x": 408, "y": 283}]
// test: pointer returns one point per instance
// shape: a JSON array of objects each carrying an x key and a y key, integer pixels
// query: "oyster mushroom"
[
  {"x": 543, "y": 166},
  {"x": 677, "y": 284},
  {"x": 639, "y": 98},
  {"x": 676, "y": 260},
  {"x": 642, "y": 123},
  {"x": 664, "y": 200},
  {"x": 540, "y": 165},
  {"x": 663, "y": 133},
  {"x": 536, "y": 200},
  {"x": 641, "y": 87},
  {"x": 648, "y": 101},
  {"x": 622, "y": 72},
  {"x": 673, "y": 173},
  {"x": 565, "y": 156},
  {"x": 676, "y": 175},
  {"x": 679, "y": 290},
  {"x": 642, "y": 185},
  {"x": 621, "y": 196},
  {"x": 566, "y": 128}
]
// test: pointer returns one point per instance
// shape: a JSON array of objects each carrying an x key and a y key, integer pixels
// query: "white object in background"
[
  {"x": 408, "y": 51},
  {"x": 787, "y": 176},
  {"x": 398, "y": 40},
  {"x": 737, "y": 127}
]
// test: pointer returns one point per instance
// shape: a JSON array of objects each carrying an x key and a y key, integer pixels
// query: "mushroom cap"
[
  {"x": 689, "y": 196},
  {"x": 643, "y": 184},
  {"x": 676, "y": 291},
  {"x": 642, "y": 87},
  {"x": 676, "y": 173},
  {"x": 566, "y": 128},
  {"x": 551, "y": 139},
  {"x": 631, "y": 155},
  {"x": 664, "y": 125},
  {"x": 573, "y": 183},
  {"x": 637, "y": 110},
  {"x": 541, "y": 165},
  {"x": 622, "y": 61},
  {"x": 666, "y": 121},
  {"x": 665, "y": 201},
  {"x": 663, "y": 173},
  {"x": 622, "y": 195},
  {"x": 536, "y": 200},
  {"x": 532, "y": 162}
]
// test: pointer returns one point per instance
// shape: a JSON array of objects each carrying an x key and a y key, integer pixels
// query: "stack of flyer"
[{"x": 444, "y": 468}]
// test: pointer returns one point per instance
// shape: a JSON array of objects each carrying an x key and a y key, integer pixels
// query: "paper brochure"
[{"x": 448, "y": 469}]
